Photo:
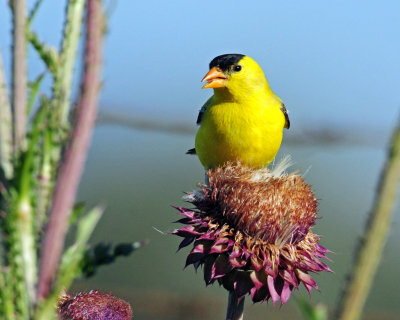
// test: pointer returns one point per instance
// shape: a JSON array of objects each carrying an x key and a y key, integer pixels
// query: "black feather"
[
  {"x": 225, "y": 61},
  {"x": 285, "y": 113},
  {"x": 191, "y": 151}
]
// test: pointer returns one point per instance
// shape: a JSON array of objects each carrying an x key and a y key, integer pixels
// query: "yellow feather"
[{"x": 243, "y": 121}]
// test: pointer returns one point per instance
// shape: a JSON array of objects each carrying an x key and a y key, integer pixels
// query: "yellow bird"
[{"x": 243, "y": 121}]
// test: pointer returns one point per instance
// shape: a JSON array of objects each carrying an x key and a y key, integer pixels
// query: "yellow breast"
[{"x": 250, "y": 133}]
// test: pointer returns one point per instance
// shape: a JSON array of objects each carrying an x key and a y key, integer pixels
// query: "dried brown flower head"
[
  {"x": 93, "y": 305},
  {"x": 251, "y": 232}
]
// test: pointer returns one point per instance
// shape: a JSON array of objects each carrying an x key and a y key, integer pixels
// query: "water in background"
[{"x": 139, "y": 175}]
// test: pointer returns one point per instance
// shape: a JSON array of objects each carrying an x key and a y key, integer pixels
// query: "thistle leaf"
[
  {"x": 34, "y": 87},
  {"x": 103, "y": 254},
  {"x": 48, "y": 54},
  {"x": 34, "y": 11}
]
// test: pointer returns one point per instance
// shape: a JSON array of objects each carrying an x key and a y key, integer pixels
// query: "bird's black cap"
[{"x": 226, "y": 60}]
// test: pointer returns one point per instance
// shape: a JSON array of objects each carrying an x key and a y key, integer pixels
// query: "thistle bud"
[{"x": 93, "y": 305}]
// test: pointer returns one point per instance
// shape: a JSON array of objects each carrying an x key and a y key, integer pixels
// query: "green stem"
[
  {"x": 65, "y": 71},
  {"x": 24, "y": 217},
  {"x": 371, "y": 249},
  {"x": 20, "y": 220},
  {"x": 16, "y": 280},
  {"x": 28, "y": 245},
  {"x": 45, "y": 182},
  {"x": 7, "y": 296}
]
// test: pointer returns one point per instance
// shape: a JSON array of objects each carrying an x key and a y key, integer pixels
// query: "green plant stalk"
[
  {"x": 28, "y": 244},
  {"x": 21, "y": 232},
  {"x": 19, "y": 71},
  {"x": 6, "y": 296},
  {"x": 6, "y": 139},
  {"x": 70, "y": 263},
  {"x": 62, "y": 67},
  {"x": 6, "y": 304},
  {"x": 371, "y": 249},
  {"x": 16, "y": 281},
  {"x": 45, "y": 183},
  {"x": 65, "y": 70}
]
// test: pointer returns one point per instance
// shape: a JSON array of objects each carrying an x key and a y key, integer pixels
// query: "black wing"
[
  {"x": 202, "y": 110},
  {"x": 198, "y": 122},
  {"x": 285, "y": 113},
  {"x": 200, "y": 115}
]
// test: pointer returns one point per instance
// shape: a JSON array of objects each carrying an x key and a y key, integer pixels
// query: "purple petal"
[
  {"x": 208, "y": 269},
  {"x": 319, "y": 254},
  {"x": 286, "y": 291},
  {"x": 237, "y": 262},
  {"x": 223, "y": 241},
  {"x": 271, "y": 269},
  {"x": 184, "y": 221},
  {"x": 194, "y": 257},
  {"x": 209, "y": 235},
  {"x": 306, "y": 279},
  {"x": 185, "y": 212},
  {"x": 185, "y": 242},
  {"x": 221, "y": 266},
  {"x": 257, "y": 263},
  {"x": 322, "y": 249},
  {"x": 201, "y": 247},
  {"x": 259, "y": 279},
  {"x": 203, "y": 224},
  {"x": 236, "y": 252},
  {"x": 289, "y": 276},
  {"x": 246, "y": 253},
  {"x": 221, "y": 245},
  {"x": 278, "y": 284},
  {"x": 258, "y": 295},
  {"x": 308, "y": 287},
  {"x": 187, "y": 231},
  {"x": 242, "y": 284},
  {"x": 272, "y": 291},
  {"x": 196, "y": 265}
]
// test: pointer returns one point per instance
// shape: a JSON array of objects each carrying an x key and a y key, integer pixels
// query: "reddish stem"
[
  {"x": 72, "y": 166},
  {"x": 19, "y": 71}
]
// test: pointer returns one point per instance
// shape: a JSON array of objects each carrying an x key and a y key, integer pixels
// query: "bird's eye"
[{"x": 237, "y": 68}]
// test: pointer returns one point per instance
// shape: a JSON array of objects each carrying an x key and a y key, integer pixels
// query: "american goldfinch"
[{"x": 243, "y": 121}]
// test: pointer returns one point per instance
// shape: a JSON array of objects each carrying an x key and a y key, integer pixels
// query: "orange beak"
[{"x": 215, "y": 79}]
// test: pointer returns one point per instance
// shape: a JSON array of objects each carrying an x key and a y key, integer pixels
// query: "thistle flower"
[
  {"x": 251, "y": 230},
  {"x": 93, "y": 305}
]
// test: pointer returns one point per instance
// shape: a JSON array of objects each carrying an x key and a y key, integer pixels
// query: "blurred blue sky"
[{"x": 331, "y": 62}]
